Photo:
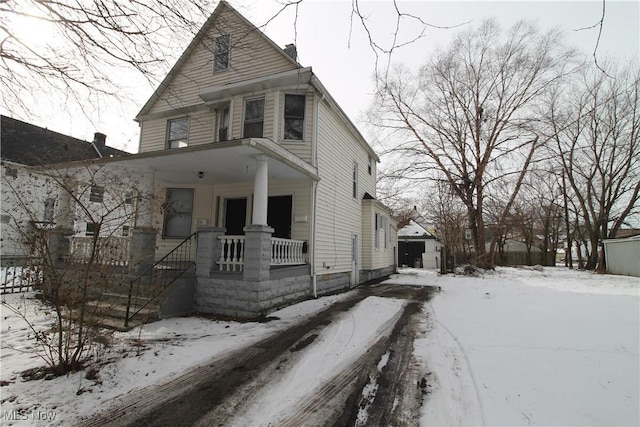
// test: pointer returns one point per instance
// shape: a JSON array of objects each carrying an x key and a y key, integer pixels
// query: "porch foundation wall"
[{"x": 238, "y": 298}]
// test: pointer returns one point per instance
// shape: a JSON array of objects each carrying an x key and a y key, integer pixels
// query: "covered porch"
[{"x": 243, "y": 268}]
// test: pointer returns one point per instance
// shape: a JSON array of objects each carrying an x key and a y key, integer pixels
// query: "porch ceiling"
[{"x": 224, "y": 162}]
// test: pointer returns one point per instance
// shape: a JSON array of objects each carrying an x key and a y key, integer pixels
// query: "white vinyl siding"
[
  {"x": 339, "y": 215},
  {"x": 248, "y": 48}
]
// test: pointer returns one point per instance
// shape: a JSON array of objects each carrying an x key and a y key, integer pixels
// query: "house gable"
[{"x": 252, "y": 55}]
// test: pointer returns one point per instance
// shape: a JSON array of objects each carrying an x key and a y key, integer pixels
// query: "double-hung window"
[
  {"x": 223, "y": 124},
  {"x": 96, "y": 194},
  {"x": 178, "y": 213},
  {"x": 253, "y": 118},
  {"x": 294, "y": 117},
  {"x": 178, "y": 132},
  {"x": 221, "y": 51}
]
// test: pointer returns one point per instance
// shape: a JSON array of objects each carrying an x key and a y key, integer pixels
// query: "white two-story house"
[{"x": 256, "y": 166}]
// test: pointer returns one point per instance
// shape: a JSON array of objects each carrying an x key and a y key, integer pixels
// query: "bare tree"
[
  {"x": 597, "y": 128},
  {"x": 471, "y": 113},
  {"x": 74, "y": 226}
]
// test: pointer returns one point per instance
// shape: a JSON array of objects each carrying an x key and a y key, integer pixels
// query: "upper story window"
[
  {"x": 223, "y": 124},
  {"x": 96, "y": 194},
  {"x": 178, "y": 132},
  {"x": 49, "y": 210},
  {"x": 294, "y": 117},
  {"x": 370, "y": 167},
  {"x": 221, "y": 51},
  {"x": 253, "y": 118}
]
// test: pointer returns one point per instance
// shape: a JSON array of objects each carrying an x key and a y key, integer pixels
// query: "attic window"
[{"x": 221, "y": 51}]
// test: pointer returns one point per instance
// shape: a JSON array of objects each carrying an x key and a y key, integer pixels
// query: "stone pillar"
[
  {"x": 142, "y": 251},
  {"x": 144, "y": 207},
  {"x": 260, "y": 191},
  {"x": 257, "y": 253},
  {"x": 208, "y": 251}
]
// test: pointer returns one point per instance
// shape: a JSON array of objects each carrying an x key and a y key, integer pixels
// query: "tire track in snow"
[{"x": 455, "y": 395}]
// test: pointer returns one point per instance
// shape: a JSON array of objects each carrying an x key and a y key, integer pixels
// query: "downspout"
[{"x": 314, "y": 162}]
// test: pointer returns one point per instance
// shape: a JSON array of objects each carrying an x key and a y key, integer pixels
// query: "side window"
[
  {"x": 178, "y": 211},
  {"x": 354, "y": 186},
  {"x": 294, "y": 117},
  {"x": 376, "y": 227},
  {"x": 178, "y": 132},
  {"x": 253, "y": 118},
  {"x": 96, "y": 194},
  {"x": 221, "y": 52},
  {"x": 370, "y": 167}
]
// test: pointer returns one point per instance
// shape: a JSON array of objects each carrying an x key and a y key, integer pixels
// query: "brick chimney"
[
  {"x": 291, "y": 50},
  {"x": 99, "y": 139}
]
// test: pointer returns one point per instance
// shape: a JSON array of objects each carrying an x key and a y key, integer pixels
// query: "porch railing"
[
  {"x": 283, "y": 252},
  {"x": 110, "y": 250},
  {"x": 232, "y": 253},
  {"x": 286, "y": 251}
]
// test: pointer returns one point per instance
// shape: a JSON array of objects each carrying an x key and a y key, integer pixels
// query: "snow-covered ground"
[{"x": 515, "y": 347}]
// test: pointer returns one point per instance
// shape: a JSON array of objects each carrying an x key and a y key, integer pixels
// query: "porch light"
[{"x": 200, "y": 174}]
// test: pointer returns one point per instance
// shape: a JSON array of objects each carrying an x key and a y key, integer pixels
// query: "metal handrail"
[{"x": 164, "y": 275}]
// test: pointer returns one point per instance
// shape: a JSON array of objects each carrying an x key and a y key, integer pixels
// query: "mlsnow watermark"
[{"x": 24, "y": 415}]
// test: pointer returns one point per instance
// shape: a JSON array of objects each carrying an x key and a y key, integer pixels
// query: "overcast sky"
[{"x": 341, "y": 57}]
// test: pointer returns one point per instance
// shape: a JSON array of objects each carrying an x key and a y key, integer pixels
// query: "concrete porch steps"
[{"x": 110, "y": 309}]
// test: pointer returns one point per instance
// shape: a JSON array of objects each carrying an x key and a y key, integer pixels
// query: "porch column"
[
  {"x": 142, "y": 250},
  {"x": 144, "y": 203},
  {"x": 260, "y": 191},
  {"x": 59, "y": 239}
]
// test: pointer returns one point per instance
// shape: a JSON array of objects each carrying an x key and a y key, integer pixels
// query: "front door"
[
  {"x": 235, "y": 216},
  {"x": 355, "y": 265},
  {"x": 279, "y": 210}
]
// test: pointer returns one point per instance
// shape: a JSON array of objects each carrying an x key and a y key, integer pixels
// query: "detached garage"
[
  {"x": 417, "y": 247},
  {"x": 623, "y": 256}
]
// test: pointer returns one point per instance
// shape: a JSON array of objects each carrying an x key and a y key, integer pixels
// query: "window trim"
[
  {"x": 284, "y": 116},
  {"x": 244, "y": 114},
  {"x": 168, "y": 139},
  {"x": 217, "y": 53}
]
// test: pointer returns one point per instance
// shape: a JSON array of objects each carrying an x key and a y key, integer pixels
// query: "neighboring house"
[
  {"x": 417, "y": 247},
  {"x": 623, "y": 255},
  {"x": 255, "y": 165},
  {"x": 28, "y": 196}
]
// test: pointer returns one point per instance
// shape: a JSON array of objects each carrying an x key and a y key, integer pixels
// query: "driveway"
[{"x": 350, "y": 364}]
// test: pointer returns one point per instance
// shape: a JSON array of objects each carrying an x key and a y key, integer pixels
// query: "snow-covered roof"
[{"x": 413, "y": 229}]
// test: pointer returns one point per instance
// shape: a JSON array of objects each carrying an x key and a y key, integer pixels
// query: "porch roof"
[{"x": 220, "y": 162}]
